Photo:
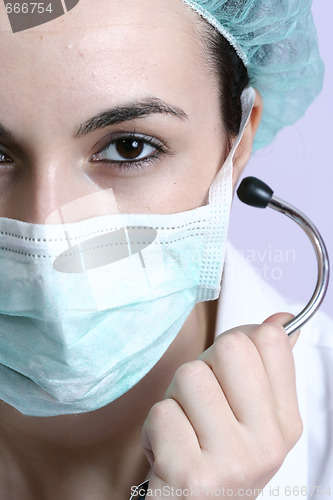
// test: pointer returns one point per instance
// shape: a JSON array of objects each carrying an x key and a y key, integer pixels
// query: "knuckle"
[
  {"x": 272, "y": 334},
  {"x": 274, "y": 454},
  {"x": 161, "y": 410},
  {"x": 298, "y": 428},
  {"x": 189, "y": 479},
  {"x": 276, "y": 458},
  {"x": 189, "y": 370},
  {"x": 197, "y": 479},
  {"x": 230, "y": 343},
  {"x": 295, "y": 431}
]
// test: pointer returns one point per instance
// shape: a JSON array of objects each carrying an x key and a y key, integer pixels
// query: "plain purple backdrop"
[{"x": 298, "y": 166}]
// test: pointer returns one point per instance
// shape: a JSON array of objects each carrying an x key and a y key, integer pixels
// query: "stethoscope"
[{"x": 256, "y": 193}]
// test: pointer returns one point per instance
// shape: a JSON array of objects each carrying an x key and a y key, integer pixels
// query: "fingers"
[
  {"x": 238, "y": 367},
  {"x": 167, "y": 432},
  {"x": 197, "y": 390},
  {"x": 283, "y": 318},
  {"x": 230, "y": 416},
  {"x": 275, "y": 350}
]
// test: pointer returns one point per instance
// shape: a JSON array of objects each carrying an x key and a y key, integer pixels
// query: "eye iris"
[
  {"x": 4, "y": 158},
  {"x": 129, "y": 148}
]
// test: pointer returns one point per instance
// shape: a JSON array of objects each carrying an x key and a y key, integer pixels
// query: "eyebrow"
[
  {"x": 129, "y": 112},
  {"x": 119, "y": 114}
]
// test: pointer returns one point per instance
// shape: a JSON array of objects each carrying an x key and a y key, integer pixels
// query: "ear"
[{"x": 243, "y": 152}]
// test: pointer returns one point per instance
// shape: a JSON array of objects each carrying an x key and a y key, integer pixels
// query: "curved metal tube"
[{"x": 322, "y": 260}]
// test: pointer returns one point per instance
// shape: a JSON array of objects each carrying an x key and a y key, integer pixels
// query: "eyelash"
[{"x": 161, "y": 149}]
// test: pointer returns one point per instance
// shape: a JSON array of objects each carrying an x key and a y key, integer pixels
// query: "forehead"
[
  {"x": 125, "y": 33},
  {"x": 118, "y": 47}
]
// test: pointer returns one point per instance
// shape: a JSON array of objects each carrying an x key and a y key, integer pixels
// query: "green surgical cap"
[{"x": 277, "y": 41}]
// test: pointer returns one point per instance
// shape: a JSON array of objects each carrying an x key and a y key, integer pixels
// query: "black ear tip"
[{"x": 254, "y": 192}]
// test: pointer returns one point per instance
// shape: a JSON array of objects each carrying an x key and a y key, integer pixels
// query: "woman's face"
[{"x": 140, "y": 64}]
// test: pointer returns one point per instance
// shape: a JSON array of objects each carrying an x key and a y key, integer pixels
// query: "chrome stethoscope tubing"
[
  {"x": 322, "y": 262},
  {"x": 254, "y": 192}
]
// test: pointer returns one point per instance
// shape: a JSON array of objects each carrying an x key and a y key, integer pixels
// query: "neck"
[
  {"x": 97, "y": 454},
  {"x": 31, "y": 468}
]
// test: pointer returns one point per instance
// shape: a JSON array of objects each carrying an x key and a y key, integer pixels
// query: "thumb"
[{"x": 282, "y": 319}]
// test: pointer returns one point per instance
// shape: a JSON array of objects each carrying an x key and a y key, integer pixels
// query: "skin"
[{"x": 52, "y": 80}]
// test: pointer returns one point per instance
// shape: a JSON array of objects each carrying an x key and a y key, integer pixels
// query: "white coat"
[{"x": 246, "y": 299}]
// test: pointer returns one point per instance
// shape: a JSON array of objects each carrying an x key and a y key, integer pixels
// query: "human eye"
[
  {"x": 4, "y": 158},
  {"x": 130, "y": 150}
]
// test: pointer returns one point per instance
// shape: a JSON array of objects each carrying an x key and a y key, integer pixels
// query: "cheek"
[
  {"x": 196, "y": 167},
  {"x": 177, "y": 185}
]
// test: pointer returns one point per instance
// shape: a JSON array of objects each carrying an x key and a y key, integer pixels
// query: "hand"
[{"x": 228, "y": 419}]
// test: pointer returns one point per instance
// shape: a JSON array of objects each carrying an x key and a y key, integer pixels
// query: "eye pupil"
[
  {"x": 4, "y": 158},
  {"x": 129, "y": 148}
]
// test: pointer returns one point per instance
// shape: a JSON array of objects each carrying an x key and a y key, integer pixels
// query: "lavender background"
[{"x": 299, "y": 168}]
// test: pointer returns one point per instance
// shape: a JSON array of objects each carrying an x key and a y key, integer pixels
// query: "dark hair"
[{"x": 232, "y": 74}]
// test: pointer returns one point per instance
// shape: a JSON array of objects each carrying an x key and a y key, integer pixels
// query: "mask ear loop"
[
  {"x": 247, "y": 99},
  {"x": 215, "y": 194},
  {"x": 218, "y": 213}
]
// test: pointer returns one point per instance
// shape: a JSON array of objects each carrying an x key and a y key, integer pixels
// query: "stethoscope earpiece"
[{"x": 256, "y": 193}]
